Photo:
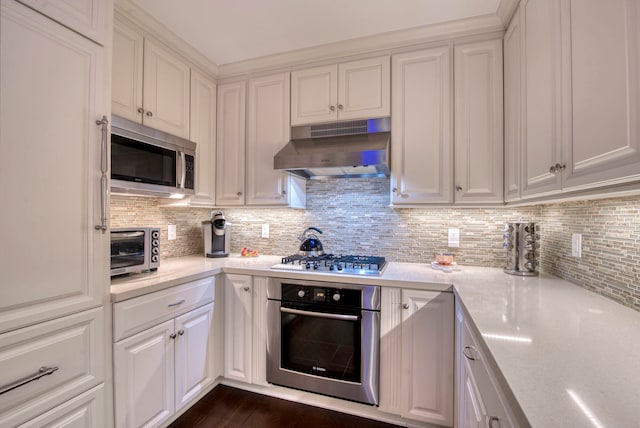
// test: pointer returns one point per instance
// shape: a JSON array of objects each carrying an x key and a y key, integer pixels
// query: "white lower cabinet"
[
  {"x": 72, "y": 350},
  {"x": 480, "y": 401},
  {"x": 245, "y": 344},
  {"x": 417, "y": 355},
  {"x": 84, "y": 411},
  {"x": 162, "y": 369}
]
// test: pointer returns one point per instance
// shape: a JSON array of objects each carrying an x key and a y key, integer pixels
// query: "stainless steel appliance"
[
  {"x": 330, "y": 263},
  {"x": 135, "y": 250},
  {"x": 521, "y": 242},
  {"x": 358, "y": 148},
  {"x": 324, "y": 337},
  {"x": 217, "y": 235},
  {"x": 311, "y": 245},
  {"x": 146, "y": 161}
]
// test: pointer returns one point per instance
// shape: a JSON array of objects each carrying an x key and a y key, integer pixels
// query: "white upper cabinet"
[
  {"x": 478, "y": 122},
  {"x": 53, "y": 91},
  {"x": 151, "y": 85},
  {"x": 578, "y": 83},
  {"x": 230, "y": 144},
  {"x": 87, "y": 17},
  {"x": 203, "y": 133},
  {"x": 352, "y": 90},
  {"x": 541, "y": 96},
  {"x": 267, "y": 132},
  {"x": 422, "y": 149},
  {"x": 512, "y": 109},
  {"x": 605, "y": 93}
]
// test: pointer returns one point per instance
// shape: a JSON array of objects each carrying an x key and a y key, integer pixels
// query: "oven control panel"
[{"x": 323, "y": 295}]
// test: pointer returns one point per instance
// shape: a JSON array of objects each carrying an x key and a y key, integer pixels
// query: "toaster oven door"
[{"x": 127, "y": 249}]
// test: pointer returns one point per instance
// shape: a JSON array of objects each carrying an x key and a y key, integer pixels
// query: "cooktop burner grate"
[{"x": 346, "y": 264}]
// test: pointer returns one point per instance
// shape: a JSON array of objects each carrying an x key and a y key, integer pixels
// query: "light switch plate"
[
  {"x": 454, "y": 237},
  {"x": 171, "y": 232},
  {"x": 576, "y": 245}
]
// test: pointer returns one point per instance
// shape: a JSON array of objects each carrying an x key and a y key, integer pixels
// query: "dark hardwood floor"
[{"x": 231, "y": 407}]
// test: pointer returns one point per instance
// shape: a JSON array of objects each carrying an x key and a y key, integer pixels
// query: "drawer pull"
[
  {"x": 468, "y": 356},
  {"x": 493, "y": 419},
  {"x": 171, "y": 305},
  {"x": 181, "y": 332},
  {"x": 42, "y": 371}
]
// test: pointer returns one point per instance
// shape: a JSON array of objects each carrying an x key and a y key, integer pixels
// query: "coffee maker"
[{"x": 217, "y": 235}]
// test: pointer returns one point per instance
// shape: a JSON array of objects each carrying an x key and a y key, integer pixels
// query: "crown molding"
[
  {"x": 506, "y": 9},
  {"x": 136, "y": 15},
  {"x": 362, "y": 45}
]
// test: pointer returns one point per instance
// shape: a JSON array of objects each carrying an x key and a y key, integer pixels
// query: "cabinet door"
[
  {"x": 478, "y": 122},
  {"x": 314, "y": 95},
  {"x": 193, "y": 354},
  {"x": 364, "y": 89},
  {"x": 512, "y": 109},
  {"x": 143, "y": 377},
  {"x": 268, "y": 131},
  {"x": 165, "y": 90},
  {"x": 126, "y": 81},
  {"x": 542, "y": 102},
  {"x": 87, "y": 17},
  {"x": 230, "y": 144},
  {"x": 203, "y": 133},
  {"x": 471, "y": 410},
  {"x": 427, "y": 356},
  {"x": 49, "y": 179},
  {"x": 422, "y": 146},
  {"x": 238, "y": 331},
  {"x": 605, "y": 79}
]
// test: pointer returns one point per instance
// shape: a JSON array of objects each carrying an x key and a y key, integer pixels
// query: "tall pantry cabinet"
[{"x": 53, "y": 322}]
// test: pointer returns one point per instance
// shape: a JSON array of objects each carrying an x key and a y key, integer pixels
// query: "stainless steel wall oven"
[{"x": 324, "y": 337}]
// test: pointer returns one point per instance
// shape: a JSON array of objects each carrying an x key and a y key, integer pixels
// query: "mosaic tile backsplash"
[{"x": 355, "y": 218}]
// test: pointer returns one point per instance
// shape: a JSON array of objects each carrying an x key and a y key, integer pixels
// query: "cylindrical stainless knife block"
[{"x": 521, "y": 240}]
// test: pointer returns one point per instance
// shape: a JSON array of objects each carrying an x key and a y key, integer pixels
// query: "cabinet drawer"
[
  {"x": 74, "y": 345},
  {"x": 83, "y": 411},
  {"x": 137, "y": 314}
]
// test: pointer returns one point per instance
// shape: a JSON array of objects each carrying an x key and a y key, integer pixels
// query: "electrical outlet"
[
  {"x": 576, "y": 245},
  {"x": 171, "y": 232},
  {"x": 265, "y": 230},
  {"x": 454, "y": 237}
]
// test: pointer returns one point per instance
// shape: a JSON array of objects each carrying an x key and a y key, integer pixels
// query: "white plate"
[{"x": 450, "y": 268}]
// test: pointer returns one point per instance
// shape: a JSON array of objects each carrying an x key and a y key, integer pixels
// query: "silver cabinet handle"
[
  {"x": 320, "y": 314},
  {"x": 554, "y": 169},
  {"x": 172, "y": 336},
  {"x": 149, "y": 113},
  {"x": 239, "y": 193},
  {"x": 246, "y": 288},
  {"x": 332, "y": 108},
  {"x": 405, "y": 306},
  {"x": 468, "y": 356},
  {"x": 458, "y": 188},
  {"x": 181, "y": 332},
  {"x": 171, "y": 305},
  {"x": 493, "y": 419},
  {"x": 340, "y": 107},
  {"x": 42, "y": 371},
  {"x": 103, "y": 175},
  {"x": 140, "y": 110}
]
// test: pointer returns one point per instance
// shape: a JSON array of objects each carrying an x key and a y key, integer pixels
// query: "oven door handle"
[{"x": 320, "y": 314}]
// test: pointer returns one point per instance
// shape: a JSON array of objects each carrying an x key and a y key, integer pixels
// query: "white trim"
[{"x": 505, "y": 11}]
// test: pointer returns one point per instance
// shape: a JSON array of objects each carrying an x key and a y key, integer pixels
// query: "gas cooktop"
[{"x": 330, "y": 263}]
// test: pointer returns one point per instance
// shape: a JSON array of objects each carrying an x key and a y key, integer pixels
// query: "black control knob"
[
  {"x": 308, "y": 265},
  {"x": 315, "y": 266},
  {"x": 336, "y": 296},
  {"x": 301, "y": 293},
  {"x": 339, "y": 266},
  {"x": 331, "y": 267}
]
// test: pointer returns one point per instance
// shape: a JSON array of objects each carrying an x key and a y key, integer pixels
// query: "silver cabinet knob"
[
  {"x": 332, "y": 108},
  {"x": 140, "y": 110},
  {"x": 493, "y": 419},
  {"x": 458, "y": 188},
  {"x": 467, "y": 353},
  {"x": 172, "y": 336},
  {"x": 239, "y": 193},
  {"x": 181, "y": 332},
  {"x": 247, "y": 288},
  {"x": 149, "y": 113},
  {"x": 340, "y": 107},
  {"x": 405, "y": 306}
]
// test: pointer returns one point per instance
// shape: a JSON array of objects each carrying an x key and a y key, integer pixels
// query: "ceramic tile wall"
[{"x": 355, "y": 217}]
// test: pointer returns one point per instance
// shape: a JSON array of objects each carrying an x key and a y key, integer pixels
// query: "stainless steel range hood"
[{"x": 357, "y": 148}]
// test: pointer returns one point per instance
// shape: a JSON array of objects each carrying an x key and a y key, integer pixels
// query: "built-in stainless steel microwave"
[
  {"x": 134, "y": 250},
  {"x": 146, "y": 161}
]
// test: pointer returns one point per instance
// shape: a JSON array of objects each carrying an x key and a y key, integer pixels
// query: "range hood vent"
[{"x": 358, "y": 148}]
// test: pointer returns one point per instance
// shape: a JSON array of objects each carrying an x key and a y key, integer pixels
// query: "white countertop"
[{"x": 573, "y": 358}]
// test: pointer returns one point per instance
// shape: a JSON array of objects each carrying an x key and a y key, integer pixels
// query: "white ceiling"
[{"x": 228, "y": 31}]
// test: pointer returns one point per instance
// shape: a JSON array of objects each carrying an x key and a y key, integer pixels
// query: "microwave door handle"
[{"x": 182, "y": 169}]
